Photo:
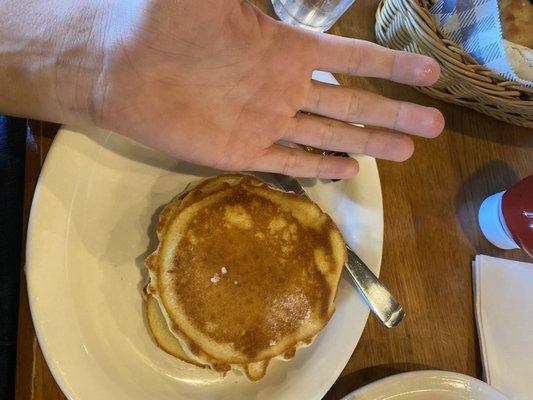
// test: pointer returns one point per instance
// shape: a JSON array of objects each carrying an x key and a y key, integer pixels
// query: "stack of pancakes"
[{"x": 243, "y": 274}]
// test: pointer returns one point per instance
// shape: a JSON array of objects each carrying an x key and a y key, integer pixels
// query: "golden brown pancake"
[
  {"x": 244, "y": 273},
  {"x": 162, "y": 335}
]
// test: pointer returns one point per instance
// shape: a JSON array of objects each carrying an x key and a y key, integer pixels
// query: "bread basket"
[{"x": 408, "y": 25}]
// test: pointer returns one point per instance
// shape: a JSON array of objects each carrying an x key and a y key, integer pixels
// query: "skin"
[{"x": 212, "y": 82}]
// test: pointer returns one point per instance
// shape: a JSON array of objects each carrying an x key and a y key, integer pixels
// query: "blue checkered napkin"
[{"x": 475, "y": 25}]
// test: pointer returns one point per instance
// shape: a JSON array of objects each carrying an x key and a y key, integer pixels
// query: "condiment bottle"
[{"x": 506, "y": 218}]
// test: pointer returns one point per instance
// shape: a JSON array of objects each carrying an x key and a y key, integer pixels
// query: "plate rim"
[{"x": 430, "y": 373}]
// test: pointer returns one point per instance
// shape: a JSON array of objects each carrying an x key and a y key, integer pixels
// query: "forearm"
[{"x": 51, "y": 54}]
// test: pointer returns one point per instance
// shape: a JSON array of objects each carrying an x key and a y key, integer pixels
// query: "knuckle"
[
  {"x": 289, "y": 162},
  {"x": 315, "y": 99},
  {"x": 291, "y": 128},
  {"x": 353, "y": 107},
  {"x": 366, "y": 135},
  {"x": 355, "y": 57},
  {"x": 321, "y": 166},
  {"x": 400, "y": 115},
  {"x": 327, "y": 135}
]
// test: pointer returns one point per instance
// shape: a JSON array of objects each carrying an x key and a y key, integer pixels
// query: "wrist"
[
  {"x": 51, "y": 54},
  {"x": 119, "y": 21},
  {"x": 80, "y": 62}
]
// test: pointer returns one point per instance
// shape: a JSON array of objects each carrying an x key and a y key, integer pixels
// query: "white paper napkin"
[{"x": 503, "y": 292}]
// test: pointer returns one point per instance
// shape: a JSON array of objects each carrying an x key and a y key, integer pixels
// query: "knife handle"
[{"x": 374, "y": 293}]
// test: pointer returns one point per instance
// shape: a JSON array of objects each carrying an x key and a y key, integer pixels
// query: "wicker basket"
[{"x": 408, "y": 25}]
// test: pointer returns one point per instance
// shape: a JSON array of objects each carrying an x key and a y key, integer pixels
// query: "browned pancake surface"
[
  {"x": 244, "y": 273},
  {"x": 247, "y": 272}
]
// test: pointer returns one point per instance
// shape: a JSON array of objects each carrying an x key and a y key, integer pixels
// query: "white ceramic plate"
[
  {"x": 92, "y": 224},
  {"x": 427, "y": 385}
]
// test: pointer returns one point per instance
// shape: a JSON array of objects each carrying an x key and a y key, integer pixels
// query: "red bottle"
[{"x": 506, "y": 218}]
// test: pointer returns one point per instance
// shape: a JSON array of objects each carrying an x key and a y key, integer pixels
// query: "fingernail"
[
  {"x": 433, "y": 122},
  {"x": 428, "y": 72}
]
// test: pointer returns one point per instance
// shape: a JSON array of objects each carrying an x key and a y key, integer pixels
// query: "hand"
[{"x": 220, "y": 83}]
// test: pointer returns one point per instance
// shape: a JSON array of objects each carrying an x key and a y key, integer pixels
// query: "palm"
[{"x": 219, "y": 83}]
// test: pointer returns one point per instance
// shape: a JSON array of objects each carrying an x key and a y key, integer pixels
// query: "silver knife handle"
[{"x": 375, "y": 294}]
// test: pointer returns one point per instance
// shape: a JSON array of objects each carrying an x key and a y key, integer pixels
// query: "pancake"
[
  {"x": 162, "y": 335},
  {"x": 243, "y": 274}
]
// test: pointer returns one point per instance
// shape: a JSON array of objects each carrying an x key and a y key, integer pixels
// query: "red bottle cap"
[{"x": 517, "y": 209}]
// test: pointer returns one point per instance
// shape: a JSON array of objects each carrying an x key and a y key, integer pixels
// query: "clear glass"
[{"x": 318, "y": 15}]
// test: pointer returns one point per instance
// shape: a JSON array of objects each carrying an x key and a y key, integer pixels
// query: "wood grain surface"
[{"x": 431, "y": 236}]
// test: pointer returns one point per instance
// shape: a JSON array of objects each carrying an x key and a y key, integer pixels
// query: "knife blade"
[{"x": 382, "y": 303}]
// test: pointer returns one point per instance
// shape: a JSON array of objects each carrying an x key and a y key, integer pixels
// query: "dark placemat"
[{"x": 12, "y": 152}]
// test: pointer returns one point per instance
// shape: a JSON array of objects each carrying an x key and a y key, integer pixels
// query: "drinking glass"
[{"x": 318, "y": 15}]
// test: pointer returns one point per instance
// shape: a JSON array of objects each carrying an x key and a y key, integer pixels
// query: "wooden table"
[{"x": 431, "y": 236}]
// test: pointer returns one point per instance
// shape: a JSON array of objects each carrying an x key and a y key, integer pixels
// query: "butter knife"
[{"x": 374, "y": 293}]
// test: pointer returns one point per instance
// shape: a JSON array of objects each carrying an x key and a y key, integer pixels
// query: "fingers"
[
  {"x": 329, "y": 134},
  {"x": 358, "y": 57},
  {"x": 296, "y": 162},
  {"x": 363, "y": 107}
]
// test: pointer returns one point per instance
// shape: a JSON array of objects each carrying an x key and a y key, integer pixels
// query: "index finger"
[{"x": 358, "y": 57}]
